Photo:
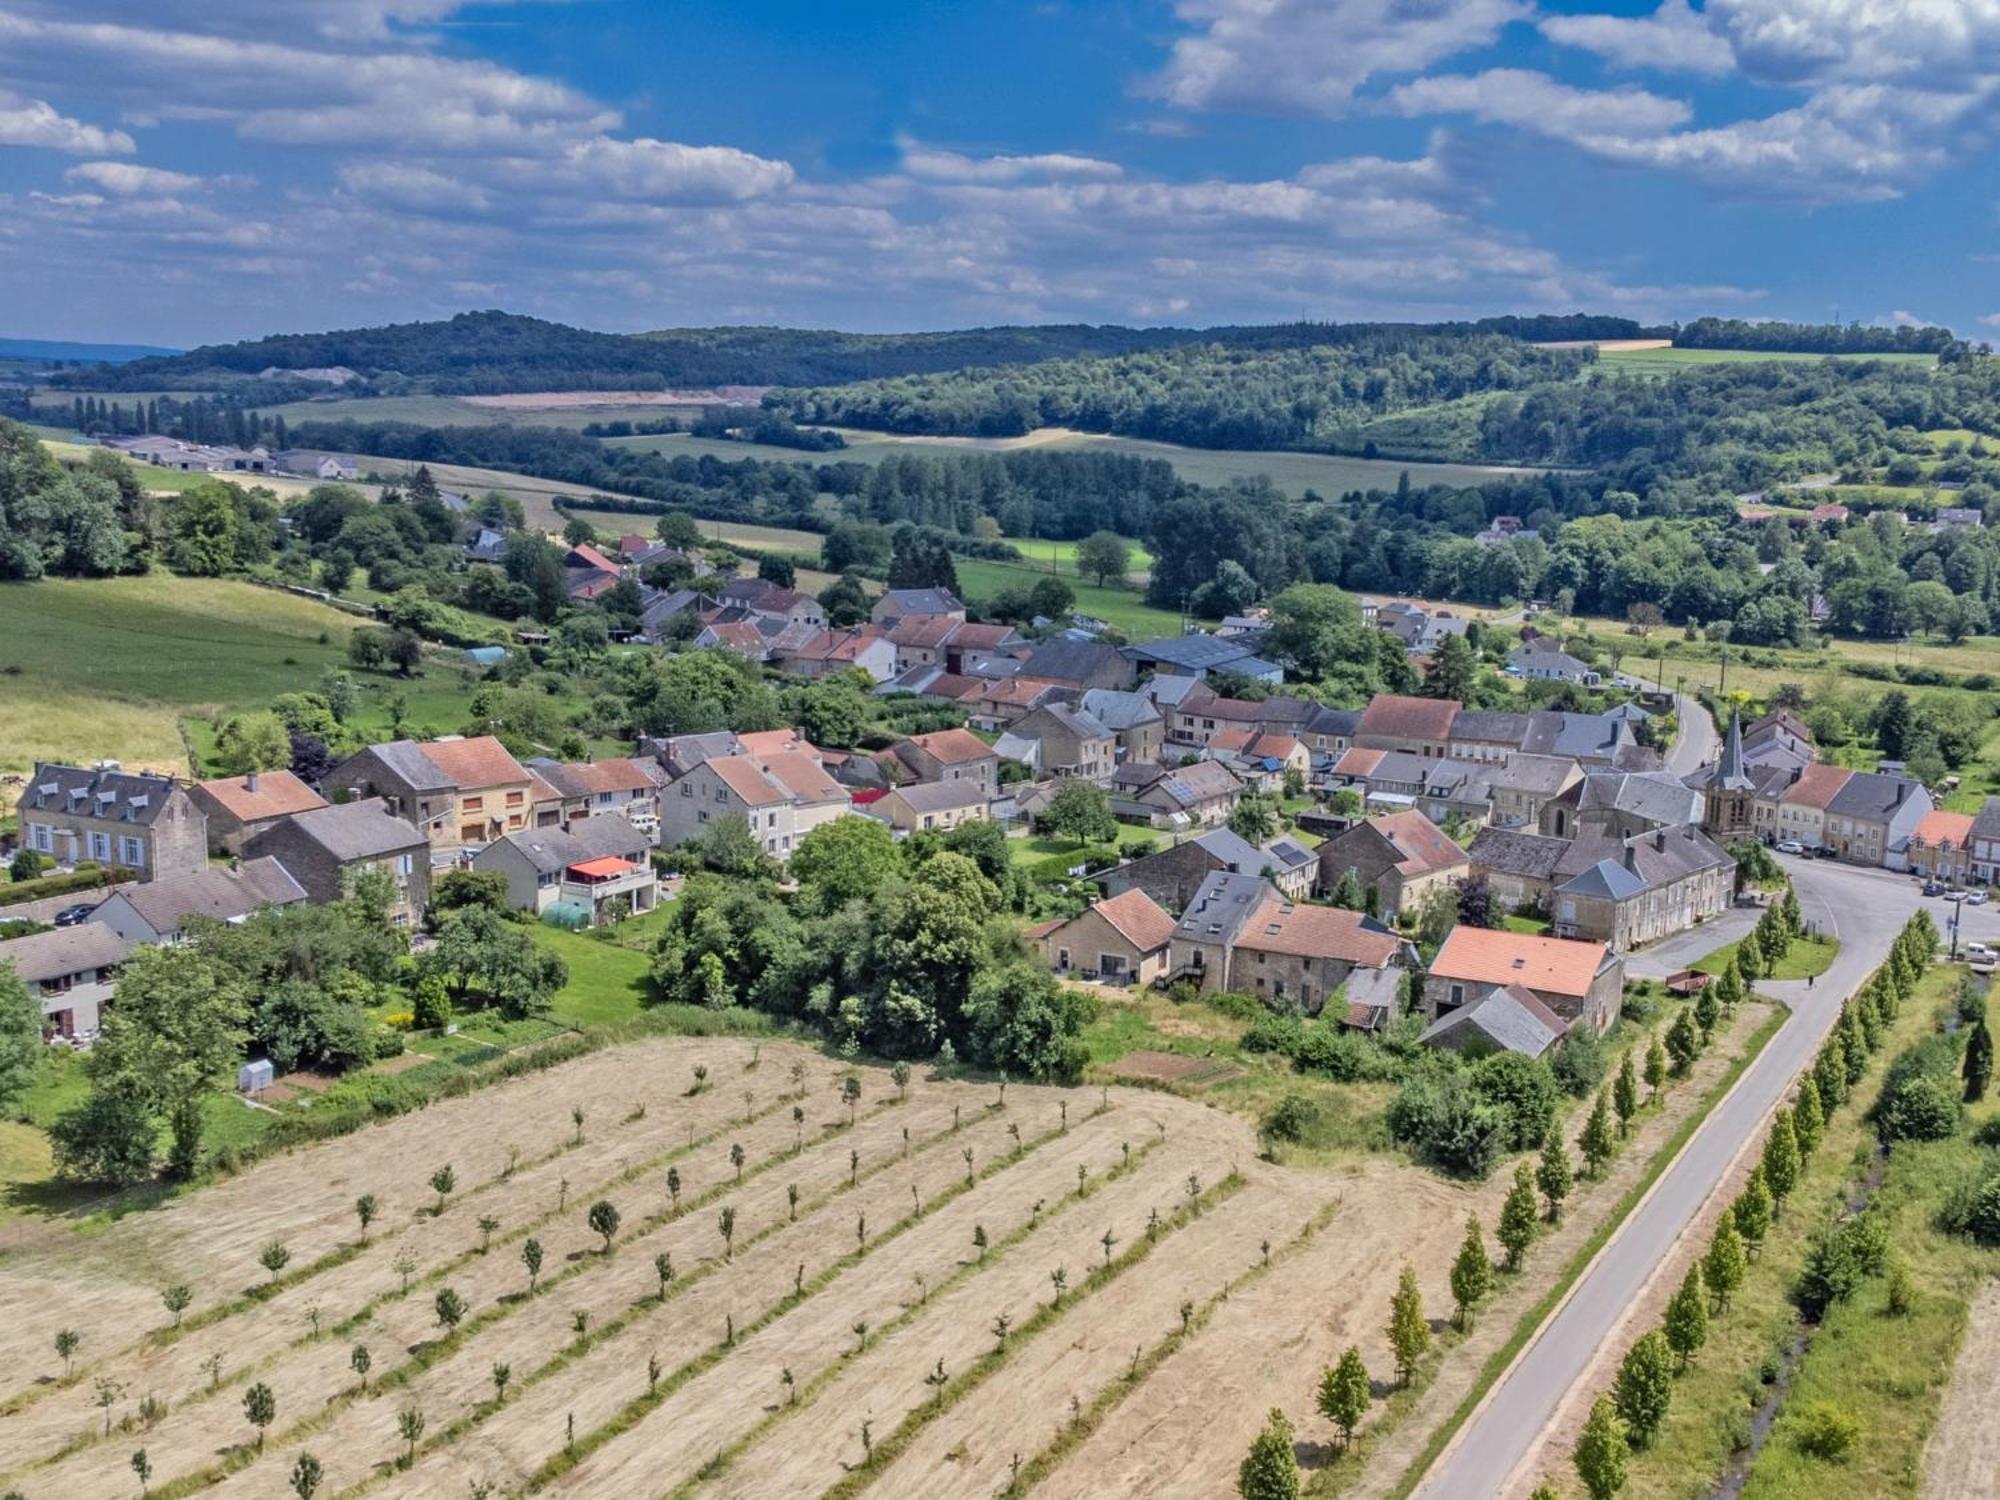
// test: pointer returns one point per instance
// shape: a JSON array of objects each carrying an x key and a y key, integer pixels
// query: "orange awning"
[{"x": 601, "y": 869}]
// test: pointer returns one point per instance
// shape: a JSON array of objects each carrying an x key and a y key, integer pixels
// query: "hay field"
[{"x": 857, "y": 1289}]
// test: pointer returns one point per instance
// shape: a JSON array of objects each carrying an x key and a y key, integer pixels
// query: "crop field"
[
  {"x": 1328, "y": 475},
  {"x": 908, "y": 1296},
  {"x": 1668, "y": 361}
]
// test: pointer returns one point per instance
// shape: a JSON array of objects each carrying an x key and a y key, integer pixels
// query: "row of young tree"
[{"x": 1841, "y": 1255}]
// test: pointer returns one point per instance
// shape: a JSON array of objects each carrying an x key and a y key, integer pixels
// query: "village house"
[
  {"x": 1510, "y": 1019},
  {"x": 991, "y": 704},
  {"x": 1060, "y": 741},
  {"x": 1200, "y": 716},
  {"x": 773, "y": 601},
  {"x": 1635, "y": 890},
  {"x": 1135, "y": 722},
  {"x": 951, "y": 755},
  {"x": 584, "y": 789},
  {"x": 1522, "y": 785},
  {"x": 1578, "y": 981},
  {"x": 326, "y": 848},
  {"x": 156, "y": 914},
  {"x": 1398, "y": 859},
  {"x": 1518, "y": 865},
  {"x": 599, "y": 869},
  {"x": 860, "y": 649},
  {"x": 1487, "y": 734},
  {"x": 1388, "y": 780},
  {"x": 1779, "y": 739},
  {"x": 1329, "y": 731},
  {"x": 460, "y": 793},
  {"x": 1986, "y": 841},
  {"x": 1941, "y": 847},
  {"x": 238, "y": 806},
  {"x": 1200, "y": 655},
  {"x": 1079, "y": 664},
  {"x": 1261, "y": 759},
  {"x": 1797, "y": 811},
  {"x": 898, "y": 604},
  {"x": 1124, "y": 939},
  {"x": 1620, "y": 804},
  {"x": 1601, "y": 742},
  {"x": 1171, "y": 876},
  {"x": 932, "y": 806},
  {"x": 1870, "y": 819},
  {"x": 71, "y": 972},
  {"x": 1420, "y": 726},
  {"x": 1199, "y": 794},
  {"x": 136, "y": 826},
  {"x": 1240, "y": 935},
  {"x": 588, "y": 574},
  {"x": 1544, "y": 660},
  {"x": 781, "y": 796}
]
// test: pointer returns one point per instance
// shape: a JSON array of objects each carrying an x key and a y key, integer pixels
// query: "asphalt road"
[
  {"x": 1697, "y": 743},
  {"x": 1865, "y": 909}
]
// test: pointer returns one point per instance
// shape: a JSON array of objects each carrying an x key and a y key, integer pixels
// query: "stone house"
[
  {"x": 1578, "y": 981},
  {"x": 590, "y": 788},
  {"x": 460, "y": 793},
  {"x": 1241, "y": 935},
  {"x": 1171, "y": 876},
  {"x": 1199, "y": 794},
  {"x": 1941, "y": 847},
  {"x": 951, "y": 755},
  {"x": 71, "y": 972},
  {"x": 1633, "y": 891},
  {"x": 1399, "y": 857},
  {"x": 1518, "y": 866},
  {"x": 157, "y": 913},
  {"x": 782, "y": 797},
  {"x": 324, "y": 849},
  {"x": 238, "y": 806},
  {"x": 1421, "y": 726},
  {"x": 1797, "y": 809},
  {"x": 1135, "y": 722},
  {"x": 1523, "y": 785},
  {"x": 1870, "y": 819},
  {"x": 1502, "y": 1020},
  {"x": 898, "y": 604},
  {"x": 1061, "y": 741},
  {"x": 136, "y": 826},
  {"x": 932, "y": 806}
]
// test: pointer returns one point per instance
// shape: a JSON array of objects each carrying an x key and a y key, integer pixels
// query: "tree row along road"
[{"x": 1865, "y": 909}]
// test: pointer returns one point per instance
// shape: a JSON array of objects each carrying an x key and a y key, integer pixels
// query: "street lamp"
[{"x": 1957, "y": 911}]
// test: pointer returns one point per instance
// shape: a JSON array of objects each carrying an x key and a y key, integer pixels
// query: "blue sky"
[{"x": 182, "y": 171}]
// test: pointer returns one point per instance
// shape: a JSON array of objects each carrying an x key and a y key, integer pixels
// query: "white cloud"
[
  {"x": 35, "y": 122},
  {"x": 1534, "y": 101},
  {"x": 1990, "y": 320},
  {"x": 417, "y": 189},
  {"x": 1312, "y": 55},
  {"x": 936, "y": 164},
  {"x": 666, "y": 172},
  {"x": 1674, "y": 38},
  {"x": 1923, "y": 41},
  {"x": 124, "y": 177}
]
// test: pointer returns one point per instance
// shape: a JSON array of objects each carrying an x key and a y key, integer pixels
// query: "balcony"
[{"x": 596, "y": 885}]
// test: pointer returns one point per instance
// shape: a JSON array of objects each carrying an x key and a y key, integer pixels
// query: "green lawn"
[
  {"x": 1124, "y": 610},
  {"x": 1529, "y": 925},
  {"x": 607, "y": 982},
  {"x": 1807, "y": 958},
  {"x": 1670, "y": 361}
]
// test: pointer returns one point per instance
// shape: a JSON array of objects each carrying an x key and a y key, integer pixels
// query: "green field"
[
  {"x": 111, "y": 668},
  {"x": 1123, "y": 609},
  {"x": 1328, "y": 475},
  {"x": 1670, "y": 361}
]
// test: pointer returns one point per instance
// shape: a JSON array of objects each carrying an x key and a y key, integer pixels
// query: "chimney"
[
  {"x": 1659, "y": 838},
  {"x": 250, "y": 782}
]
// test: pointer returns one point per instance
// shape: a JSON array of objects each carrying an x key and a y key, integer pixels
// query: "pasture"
[
  {"x": 1670, "y": 361},
  {"x": 1124, "y": 610}
]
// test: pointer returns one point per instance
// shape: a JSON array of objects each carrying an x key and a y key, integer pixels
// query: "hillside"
[{"x": 491, "y": 352}]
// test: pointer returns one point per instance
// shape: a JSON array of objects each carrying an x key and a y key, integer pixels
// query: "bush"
[
  {"x": 1442, "y": 1120},
  {"x": 1237, "y": 1007},
  {"x": 1342, "y": 1055},
  {"x": 388, "y": 1044},
  {"x": 85, "y": 877},
  {"x": 1839, "y": 1260},
  {"x": 1974, "y": 1209},
  {"x": 1524, "y": 1091},
  {"x": 1920, "y": 1093},
  {"x": 1294, "y": 1118},
  {"x": 1581, "y": 1061},
  {"x": 1826, "y": 1431},
  {"x": 1269, "y": 1033}
]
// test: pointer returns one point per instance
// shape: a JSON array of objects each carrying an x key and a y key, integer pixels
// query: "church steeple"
[{"x": 1729, "y": 769}]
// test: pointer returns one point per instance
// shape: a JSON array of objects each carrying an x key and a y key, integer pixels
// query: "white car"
[
  {"x": 1975, "y": 898},
  {"x": 1790, "y": 846},
  {"x": 1979, "y": 953}
]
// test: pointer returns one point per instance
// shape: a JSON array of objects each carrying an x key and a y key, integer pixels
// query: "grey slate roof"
[
  {"x": 1171, "y": 691},
  {"x": 1117, "y": 710},
  {"x": 1076, "y": 721},
  {"x": 407, "y": 759},
  {"x": 1510, "y": 1018},
  {"x": 1191, "y": 653},
  {"x": 1871, "y": 795},
  {"x": 605, "y": 836},
  {"x": 1987, "y": 824},
  {"x": 1339, "y": 722},
  {"x": 114, "y": 796},
  {"x": 1656, "y": 858},
  {"x": 1069, "y": 661},
  {"x": 940, "y": 796},
  {"x": 1283, "y": 854},
  {"x": 1655, "y": 796},
  {"x": 1222, "y": 903},
  {"x": 925, "y": 601},
  {"x": 63, "y": 950},
  {"x": 1531, "y": 856},
  {"x": 216, "y": 892},
  {"x": 1489, "y": 726},
  {"x": 357, "y": 830},
  {"x": 1543, "y": 775},
  {"x": 1606, "y": 879}
]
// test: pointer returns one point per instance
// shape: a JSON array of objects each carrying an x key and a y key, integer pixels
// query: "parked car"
[
  {"x": 1790, "y": 846},
  {"x": 69, "y": 916},
  {"x": 1975, "y": 898},
  {"x": 1933, "y": 888},
  {"x": 1979, "y": 953}
]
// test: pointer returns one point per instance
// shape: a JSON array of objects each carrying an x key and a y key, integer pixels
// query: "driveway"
[{"x": 1865, "y": 909}]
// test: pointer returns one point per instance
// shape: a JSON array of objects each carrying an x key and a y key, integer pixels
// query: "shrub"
[
  {"x": 1444, "y": 1121},
  {"x": 1826, "y": 1431},
  {"x": 1839, "y": 1260},
  {"x": 1974, "y": 1209},
  {"x": 1920, "y": 1093},
  {"x": 1343, "y": 1055},
  {"x": 1295, "y": 1119},
  {"x": 1269, "y": 1033},
  {"x": 1581, "y": 1062},
  {"x": 1524, "y": 1091}
]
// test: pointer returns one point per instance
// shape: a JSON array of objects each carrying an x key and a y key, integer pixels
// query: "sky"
[{"x": 189, "y": 171}]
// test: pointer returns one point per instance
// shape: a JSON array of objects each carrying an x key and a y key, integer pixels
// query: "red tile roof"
[
  {"x": 1550, "y": 966},
  {"x": 585, "y": 555},
  {"x": 1817, "y": 785},
  {"x": 278, "y": 794},
  {"x": 952, "y": 747},
  {"x": 1421, "y": 842},
  {"x": 1281, "y": 926},
  {"x": 1941, "y": 827},
  {"x": 1392, "y": 716},
  {"x": 1137, "y": 918},
  {"x": 481, "y": 761}
]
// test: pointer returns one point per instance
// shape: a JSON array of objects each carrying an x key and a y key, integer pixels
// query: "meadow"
[{"x": 1670, "y": 361}]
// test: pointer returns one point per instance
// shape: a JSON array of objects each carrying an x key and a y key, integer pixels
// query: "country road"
[{"x": 1865, "y": 909}]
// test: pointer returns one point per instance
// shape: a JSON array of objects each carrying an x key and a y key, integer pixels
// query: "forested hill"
[{"x": 497, "y": 351}]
